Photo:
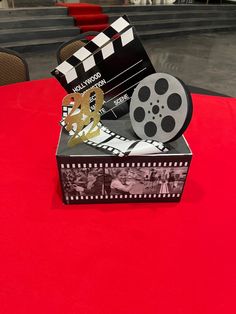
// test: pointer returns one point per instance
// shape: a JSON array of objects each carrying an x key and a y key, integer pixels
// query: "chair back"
[
  {"x": 13, "y": 67},
  {"x": 68, "y": 48}
]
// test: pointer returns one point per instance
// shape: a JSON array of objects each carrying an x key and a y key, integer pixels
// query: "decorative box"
[{"x": 91, "y": 175}]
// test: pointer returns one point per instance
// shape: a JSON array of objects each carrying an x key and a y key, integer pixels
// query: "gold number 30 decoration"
[{"x": 85, "y": 115}]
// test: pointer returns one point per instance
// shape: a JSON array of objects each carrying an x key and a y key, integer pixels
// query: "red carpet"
[{"x": 88, "y": 17}]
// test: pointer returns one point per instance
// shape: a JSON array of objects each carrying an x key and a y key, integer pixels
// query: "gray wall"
[{"x": 32, "y": 3}]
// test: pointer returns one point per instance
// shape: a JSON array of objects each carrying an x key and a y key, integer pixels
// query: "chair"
[
  {"x": 13, "y": 67},
  {"x": 68, "y": 48}
]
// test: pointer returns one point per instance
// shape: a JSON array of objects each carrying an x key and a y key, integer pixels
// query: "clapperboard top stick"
[{"x": 91, "y": 47}]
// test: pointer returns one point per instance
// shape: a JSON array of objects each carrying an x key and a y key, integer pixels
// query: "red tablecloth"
[{"x": 131, "y": 258}]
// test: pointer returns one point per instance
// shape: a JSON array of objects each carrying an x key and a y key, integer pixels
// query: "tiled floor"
[{"x": 205, "y": 60}]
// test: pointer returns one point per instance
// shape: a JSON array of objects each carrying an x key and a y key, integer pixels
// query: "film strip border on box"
[
  {"x": 73, "y": 198},
  {"x": 145, "y": 197}
]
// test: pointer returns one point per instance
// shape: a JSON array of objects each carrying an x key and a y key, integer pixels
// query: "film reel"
[{"x": 160, "y": 108}]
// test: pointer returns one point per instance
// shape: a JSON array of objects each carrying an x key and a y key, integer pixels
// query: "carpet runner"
[{"x": 88, "y": 17}]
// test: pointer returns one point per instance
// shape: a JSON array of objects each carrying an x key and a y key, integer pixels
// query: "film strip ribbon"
[{"x": 110, "y": 141}]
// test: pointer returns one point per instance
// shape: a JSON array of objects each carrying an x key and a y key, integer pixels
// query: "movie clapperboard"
[{"x": 115, "y": 60}]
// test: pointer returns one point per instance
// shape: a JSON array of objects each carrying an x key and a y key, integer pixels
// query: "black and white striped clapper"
[{"x": 114, "y": 60}]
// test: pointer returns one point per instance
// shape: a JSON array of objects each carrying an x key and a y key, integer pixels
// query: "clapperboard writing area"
[
  {"x": 115, "y": 61},
  {"x": 108, "y": 78}
]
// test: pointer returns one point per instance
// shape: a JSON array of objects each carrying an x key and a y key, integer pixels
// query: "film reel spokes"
[{"x": 160, "y": 108}]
